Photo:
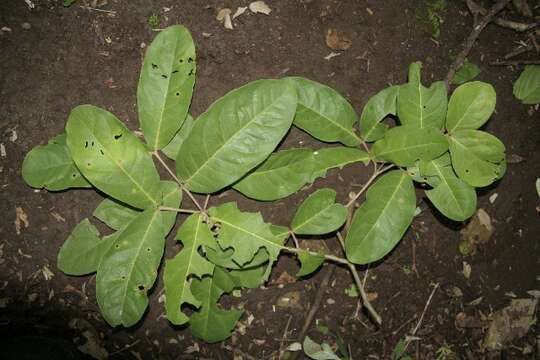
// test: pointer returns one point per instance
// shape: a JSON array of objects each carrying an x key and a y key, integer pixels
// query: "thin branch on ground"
[
  {"x": 284, "y": 338},
  {"x": 518, "y": 51},
  {"x": 98, "y": 10},
  {"x": 515, "y": 63},
  {"x": 372, "y": 312},
  {"x": 477, "y": 9},
  {"x": 477, "y": 29},
  {"x": 182, "y": 186},
  {"x": 413, "y": 333}
]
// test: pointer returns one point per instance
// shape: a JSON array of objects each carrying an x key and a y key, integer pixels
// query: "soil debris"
[
  {"x": 21, "y": 219},
  {"x": 290, "y": 300},
  {"x": 239, "y": 11},
  {"x": 477, "y": 232},
  {"x": 92, "y": 346},
  {"x": 336, "y": 40},
  {"x": 224, "y": 16},
  {"x": 257, "y": 7}
]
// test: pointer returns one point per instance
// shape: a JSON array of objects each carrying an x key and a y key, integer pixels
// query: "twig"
[
  {"x": 376, "y": 172},
  {"x": 515, "y": 63},
  {"x": 295, "y": 239},
  {"x": 182, "y": 186},
  {"x": 332, "y": 258},
  {"x": 98, "y": 10},
  {"x": 477, "y": 29},
  {"x": 129, "y": 346},
  {"x": 206, "y": 202},
  {"x": 413, "y": 333},
  {"x": 476, "y": 9},
  {"x": 360, "y": 286},
  {"x": 284, "y": 338},
  {"x": 518, "y": 51}
]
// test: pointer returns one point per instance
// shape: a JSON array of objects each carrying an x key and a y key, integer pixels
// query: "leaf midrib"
[
  {"x": 295, "y": 229},
  {"x": 443, "y": 179},
  {"x": 341, "y": 127}
]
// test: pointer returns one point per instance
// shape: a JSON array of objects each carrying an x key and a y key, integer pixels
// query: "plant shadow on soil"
[{"x": 71, "y": 56}]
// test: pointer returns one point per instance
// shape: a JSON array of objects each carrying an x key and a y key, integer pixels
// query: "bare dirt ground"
[{"x": 54, "y": 58}]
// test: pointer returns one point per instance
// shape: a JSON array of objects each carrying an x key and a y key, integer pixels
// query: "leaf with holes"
[
  {"x": 236, "y": 134},
  {"x": 477, "y": 157},
  {"x": 527, "y": 86},
  {"x": 194, "y": 234},
  {"x": 212, "y": 323},
  {"x": 111, "y": 157},
  {"x": 171, "y": 150},
  {"x": 454, "y": 198},
  {"x": 404, "y": 145},
  {"x": 244, "y": 232},
  {"x": 420, "y": 106},
  {"x": 51, "y": 167},
  {"x": 379, "y": 106},
  {"x": 470, "y": 106},
  {"x": 129, "y": 268},
  {"x": 83, "y": 250},
  {"x": 336, "y": 157},
  {"x": 323, "y": 113},
  {"x": 381, "y": 221},
  {"x": 319, "y": 214},
  {"x": 115, "y": 214},
  {"x": 309, "y": 263},
  {"x": 281, "y": 175},
  {"x": 166, "y": 85}
]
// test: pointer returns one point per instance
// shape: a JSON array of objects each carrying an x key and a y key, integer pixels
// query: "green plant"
[
  {"x": 153, "y": 20},
  {"x": 68, "y": 3},
  {"x": 527, "y": 86},
  {"x": 430, "y": 12},
  {"x": 233, "y": 144}
]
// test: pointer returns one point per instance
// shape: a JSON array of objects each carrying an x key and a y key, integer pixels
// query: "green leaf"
[
  {"x": 454, "y": 198},
  {"x": 68, "y": 3},
  {"x": 335, "y": 157},
  {"x": 115, "y": 214},
  {"x": 420, "y": 106},
  {"x": 470, "y": 106},
  {"x": 171, "y": 150},
  {"x": 309, "y": 263},
  {"x": 194, "y": 234},
  {"x": 211, "y": 323},
  {"x": 281, "y": 175},
  {"x": 466, "y": 72},
  {"x": 404, "y": 145},
  {"x": 319, "y": 214},
  {"x": 236, "y": 134},
  {"x": 83, "y": 250},
  {"x": 384, "y": 103},
  {"x": 352, "y": 291},
  {"x": 51, "y": 167},
  {"x": 477, "y": 157},
  {"x": 166, "y": 85},
  {"x": 111, "y": 157},
  {"x": 381, "y": 221},
  {"x": 323, "y": 113},
  {"x": 244, "y": 232},
  {"x": 129, "y": 268},
  {"x": 318, "y": 352},
  {"x": 527, "y": 86},
  {"x": 250, "y": 278}
]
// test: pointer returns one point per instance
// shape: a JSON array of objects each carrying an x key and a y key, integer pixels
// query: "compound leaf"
[
  {"x": 129, "y": 268},
  {"x": 235, "y": 134},
  {"x": 323, "y": 113},
  {"x": 309, "y": 263},
  {"x": 171, "y": 150},
  {"x": 111, "y": 157},
  {"x": 381, "y": 221},
  {"x": 115, "y": 214},
  {"x": 477, "y": 157},
  {"x": 420, "y": 106},
  {"x": 470, "y": 106},
  {"x": 319, "y": 214},
  {"x": 51, "y": 167},
  {"x": 282, "y": 174},
  {"x": 404, "y": 145},
  {"x": 193, "y": 233},
  {"x": 244, "y": 232},
  {"x": 211, "y": 323},
  {"x": 166, "y": 85},
  {"x": 527, "y": 86},
  {"x": 454, "y": 198},
  {"x": 83, "y": 250},
  {"x": 377, "y": 108}
]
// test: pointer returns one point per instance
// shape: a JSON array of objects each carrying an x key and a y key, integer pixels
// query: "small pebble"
[{"x": 26, "y": 26}]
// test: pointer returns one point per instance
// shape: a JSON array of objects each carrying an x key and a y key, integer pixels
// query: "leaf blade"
[
  {"x": 319, "y": 214},
  {"x": 470, "y": 106},
  {"x": 527, "y": 88},
  {"x": 379, "y": 106}
]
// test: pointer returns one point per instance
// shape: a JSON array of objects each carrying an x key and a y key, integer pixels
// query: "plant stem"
[
  {"x": 186, "y": 211},
  {"x": 360, "y": 285},
  {"x": 376, "y": 172},
  {"x": 332, "y": 258},
  {"x": 295, "y": 239},
  {"x": 182, "y": 186}
]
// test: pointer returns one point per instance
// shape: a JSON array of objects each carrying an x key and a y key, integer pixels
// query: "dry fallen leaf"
[
  {"x": 92, "y": 346},
  {"x": 510, "y": 323},
  {"x": 478, "y": 231},
  {"x": 259, "y": 7},
  {"x": 224, "y": 16},
  {"x": 466, "y": 270},
  {"x": 193, "y": 348},
  {"x": 335, "y": 40},
  {"x": 20, "y": 219},
  {"x": 285, "y": 278},
  {"x": 239, "y": 11}
]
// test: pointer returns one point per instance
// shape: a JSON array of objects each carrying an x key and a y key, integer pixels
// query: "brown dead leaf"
[
  {"x": 464, "y": 321},
  {"x": 285, "y": 278},
  {"x": 478, "y": 231},
  {"x": 510, "y": 323},
  {"x": 257, "y": 7},
  {"x": 224, "y": 16},
  {"x": 20, "y": 219},
  {"x": 336, "y": 40}
]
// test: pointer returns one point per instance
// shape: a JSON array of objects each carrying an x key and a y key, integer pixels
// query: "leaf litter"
[
  {"x": 477, "y": 232},
  {"x": 21, "y": 220}
]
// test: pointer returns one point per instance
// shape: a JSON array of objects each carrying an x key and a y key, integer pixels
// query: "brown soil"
[{"x": 71, "y": 56}]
